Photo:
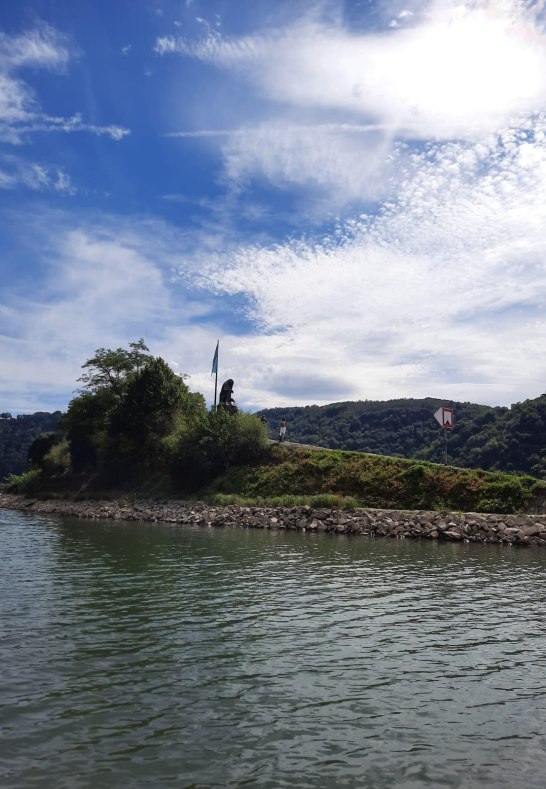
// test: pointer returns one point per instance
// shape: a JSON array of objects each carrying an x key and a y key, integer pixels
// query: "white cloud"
[
  {"x": 15, "y": 172},
  {"x": 75, "y": 123},
  {"x": 20, "y": 111},
  {"x": 341, "y": 162},
  {"x": 42, "y": 47},
  {"x": 16, "y": 102},
  {"x": 101, "y": 282},
  {"x": 441, "y": 295},
  {"x": 464, "y": 69}
]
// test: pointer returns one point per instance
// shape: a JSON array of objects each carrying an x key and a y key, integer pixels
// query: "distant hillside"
[
  {"x": 17, "y": 434},
  {"x": 507, "y": 439}
]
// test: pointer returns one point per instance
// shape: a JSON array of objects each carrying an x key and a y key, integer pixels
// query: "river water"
[{"x": 137, "y": 655}]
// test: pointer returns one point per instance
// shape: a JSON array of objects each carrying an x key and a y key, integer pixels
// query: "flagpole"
[{"x": 216, "y": 376}]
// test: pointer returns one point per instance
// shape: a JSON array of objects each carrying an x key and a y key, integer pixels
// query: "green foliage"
[
  {"x": 16, "y": 436},
  {"x": 39, "y": 448},
  {"x": 109, "y": 369},
  {"x": 50, "y": 453},
  {"x": 25, "y": 484},
  {"x": 85, "y": 425},
  {"x": 57, "y": 460},
  {"x": 490, "y": 438},
  {"x": 152, "y": 400},
  {"x": 214, "y": 443},
  {"x": 123, "y": 426},
  {"x": 137, "y": 424},
  {"x": 376, "y": 481}
]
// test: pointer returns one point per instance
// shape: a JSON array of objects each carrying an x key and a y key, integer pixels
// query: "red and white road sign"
[{"x": 445, "y": 417}]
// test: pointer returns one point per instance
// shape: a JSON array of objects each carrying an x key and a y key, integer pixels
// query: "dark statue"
[{"x": 227, "y": 403}]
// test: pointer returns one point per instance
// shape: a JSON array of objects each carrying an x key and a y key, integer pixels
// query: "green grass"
[
  {"x": 294, "y": 474},
  {"x": 291, "y": 476}
]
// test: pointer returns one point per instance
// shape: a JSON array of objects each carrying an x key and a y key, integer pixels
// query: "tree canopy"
[
  {"x": 136, "y": 418},
  {"x": 109, "y": 369}
]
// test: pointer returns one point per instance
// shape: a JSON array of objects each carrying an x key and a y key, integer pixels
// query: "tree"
[
  {"x": 152, "y": 398},
  {"x": 155, "y": 407},
  {"x": 105, "y": 380},
  {"x": 40, "y": 447},
  {"x": 110, "y": 369},
  {"x": 85, "y": 427}
]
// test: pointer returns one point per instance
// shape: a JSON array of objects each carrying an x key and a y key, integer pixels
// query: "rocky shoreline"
[{"x": 468, "y": 527}]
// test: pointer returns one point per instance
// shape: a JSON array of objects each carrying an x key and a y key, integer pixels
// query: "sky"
[{"x": 349, "y": 195}]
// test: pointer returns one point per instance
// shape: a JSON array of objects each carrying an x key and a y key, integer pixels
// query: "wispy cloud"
[
  {"x": 462, "y": 70},
  {"x": 16, "y": 172},
  {"x": 341, "y": 161},
  {"x": 101, "y": 281},
  {"x": 336, "y": 112},
  {"x": 43, "y": 47},
  {"x": 443, "y": 294},
  {"x": 75, "y": 123},
  {"x": 20, "y": 112}
]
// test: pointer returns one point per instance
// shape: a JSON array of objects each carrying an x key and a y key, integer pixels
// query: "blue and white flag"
[{"x": 215, "y": 360}]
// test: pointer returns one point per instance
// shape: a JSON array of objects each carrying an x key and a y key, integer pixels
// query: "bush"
[
  {"x": 504, "y": 495},
  {"x": 57, "y": 460},
  {"x": 213, "y": 444},
  {"x": 27, "y": 484},
  {"x": 40, "y": 448}
]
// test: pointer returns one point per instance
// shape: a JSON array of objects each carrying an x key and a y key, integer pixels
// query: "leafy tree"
[
  {"x": 85, "y": 427},
  {"x": 155, "y": 399},
  {"x": 109, "y": 369},
  {"x": 39, "y": 449},
  {"x": 107, "y": 377}
]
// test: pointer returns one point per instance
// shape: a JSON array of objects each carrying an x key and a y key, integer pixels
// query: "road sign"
[{"x": 445, "y": 417}]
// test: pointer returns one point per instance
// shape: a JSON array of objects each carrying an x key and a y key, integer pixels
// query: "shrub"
[
  {"x": 27, "y": 484},
  {"x": 57, "y": 460},
  {"x": 213, "y": 444},
  {"x": 40, "y": 448}
]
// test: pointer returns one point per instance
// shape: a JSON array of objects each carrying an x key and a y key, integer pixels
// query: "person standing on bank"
[{"x": 282, "y": 429}]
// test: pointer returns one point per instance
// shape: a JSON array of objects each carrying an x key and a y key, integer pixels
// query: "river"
[{"x": 136, "y": 655}]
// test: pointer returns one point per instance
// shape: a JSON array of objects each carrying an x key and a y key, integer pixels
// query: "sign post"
[{"x": 446, "y": 418}]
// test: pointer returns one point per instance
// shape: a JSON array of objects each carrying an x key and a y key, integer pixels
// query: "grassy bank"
[
  {"x": 357, "y": 479},
  {"x": 291, "y": 475}
]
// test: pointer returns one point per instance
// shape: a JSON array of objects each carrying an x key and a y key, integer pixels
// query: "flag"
[{"x": 215, "y": 360}]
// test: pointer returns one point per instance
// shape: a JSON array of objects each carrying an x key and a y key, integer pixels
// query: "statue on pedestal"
[{"x": 227, "y": 403}]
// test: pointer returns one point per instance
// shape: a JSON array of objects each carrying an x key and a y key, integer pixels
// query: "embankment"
[{"x": 469, "y": 527}]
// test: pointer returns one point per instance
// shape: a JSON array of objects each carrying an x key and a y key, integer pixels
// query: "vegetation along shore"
[{"x": 136, "y": 443}]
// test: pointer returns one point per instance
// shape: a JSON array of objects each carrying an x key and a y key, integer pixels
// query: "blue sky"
[{"x": 351, "y": 196}]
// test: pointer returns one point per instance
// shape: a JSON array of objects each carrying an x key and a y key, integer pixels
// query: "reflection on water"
[{"x": 197, "y": 657}]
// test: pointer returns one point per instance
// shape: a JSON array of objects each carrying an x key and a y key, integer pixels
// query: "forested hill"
[
  {"x": 508, "y": 439},
  {"x": 16, "y": 436}
]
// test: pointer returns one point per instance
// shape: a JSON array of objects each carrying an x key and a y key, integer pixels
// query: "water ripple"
[{"x": 199, "y": 657}]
